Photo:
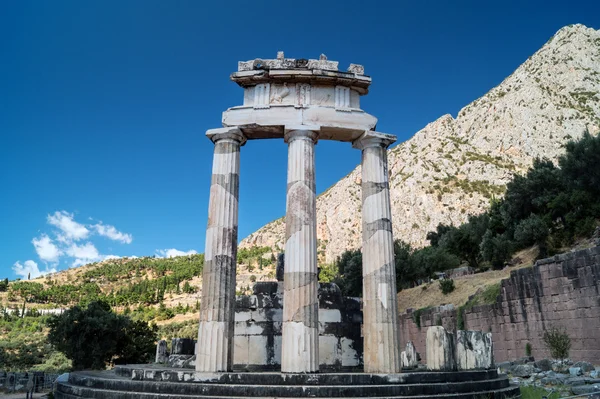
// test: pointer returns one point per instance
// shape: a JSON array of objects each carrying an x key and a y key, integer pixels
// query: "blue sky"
[{"x": 104, "y": 106}]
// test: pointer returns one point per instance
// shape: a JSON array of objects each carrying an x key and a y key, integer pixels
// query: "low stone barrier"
[{"x": 28, "y": 381}]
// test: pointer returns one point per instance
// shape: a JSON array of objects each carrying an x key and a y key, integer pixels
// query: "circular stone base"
[{"x": 153, "y": 382}]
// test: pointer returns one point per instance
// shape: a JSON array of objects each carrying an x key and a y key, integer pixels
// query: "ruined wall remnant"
[
  {"x": 258, "y": 322},
  {"x": 562, "y": 291}
]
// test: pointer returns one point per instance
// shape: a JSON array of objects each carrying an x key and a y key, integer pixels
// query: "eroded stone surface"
[
  {"x": 474, "y": 350},
  {"x": 440, "y": 349},
  {"x": 409, "y": 356},
  {"x": 161, "y": 352}
]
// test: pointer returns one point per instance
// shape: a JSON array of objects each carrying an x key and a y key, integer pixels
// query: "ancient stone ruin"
[
  {"x": 287, "y": 336},
  {"x": 301, "y": 102}
]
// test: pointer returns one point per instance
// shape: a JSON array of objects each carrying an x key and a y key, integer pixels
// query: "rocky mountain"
[{"x": 453, "y": 166}]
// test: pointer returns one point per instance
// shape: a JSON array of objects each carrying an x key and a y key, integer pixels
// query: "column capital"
[
  {"x": 373, "y": 139},
  {"x": 293, "y": 132},
  {"x": 226, "y": 133}
]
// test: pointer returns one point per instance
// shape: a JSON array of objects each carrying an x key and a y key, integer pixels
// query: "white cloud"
[
  {"x": 112, "y": 233},
  {"x": 83, "y": 254},
  {"x": 46, "y": 249},
  {"x": 171, "y": 253},
  {"x": 109, "y": 257},
  {"x": 71, "y": 230},
  {"x": 30, "y": 269}
]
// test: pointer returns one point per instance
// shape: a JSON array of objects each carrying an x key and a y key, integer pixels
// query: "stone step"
[
  {"x": 68, "y": 391},
  {"x": 274, "y": 378},
  {"x": 199, "y": 388}
]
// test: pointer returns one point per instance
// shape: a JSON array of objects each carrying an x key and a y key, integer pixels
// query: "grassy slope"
[{"x": 430, "y": 294}]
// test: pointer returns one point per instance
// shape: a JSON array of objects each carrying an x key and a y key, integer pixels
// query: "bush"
[
  {"x": 558, "y": 342},
  {"x": 527, "y": 349},
  {"x": 447, "y": 286}
]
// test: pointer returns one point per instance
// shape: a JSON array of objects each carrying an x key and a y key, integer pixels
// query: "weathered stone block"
[
  {"x": 178, "y": 361},
  {"x": 266, "y": 287},
  {"x": 258, "y": 350},
  {"x": 474, "y": 350},
  {"x": 586, "y": 367},
  {"x": 240, "y": 349},
  {"x": 350, "y": 354},
  {"x": 409, "y": 356},
  {"x": 161, "y": 352},
  {"x": 575, "y": 371},
  {"x": 182, "y": 346},
  {"x": 440, "y": 349},
  {"x": 329, "y": 350}
]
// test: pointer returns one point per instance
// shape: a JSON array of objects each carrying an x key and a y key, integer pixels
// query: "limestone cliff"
[{"x": 453, "y": 166}]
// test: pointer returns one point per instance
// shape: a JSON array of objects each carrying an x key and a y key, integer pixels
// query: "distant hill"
[{"x": 454, "y": 166}]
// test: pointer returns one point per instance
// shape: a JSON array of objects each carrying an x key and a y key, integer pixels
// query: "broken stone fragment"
[
  {"x": 409, "y": 356},
  {"x": 474, "y": 350},
  {"x": 440, "y": 349},
  {"x": 161, "y": 352}
]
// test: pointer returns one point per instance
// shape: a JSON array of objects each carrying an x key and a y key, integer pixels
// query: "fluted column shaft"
[
  {"x": 214, "y": 350},
  {"x": 300, "y": 331},
  {"x": 380, "y": 308}
]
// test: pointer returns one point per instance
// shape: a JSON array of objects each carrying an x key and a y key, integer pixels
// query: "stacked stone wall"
[
  {"x": 562, "y": 291},
  {"x": 258, "y": 328}
]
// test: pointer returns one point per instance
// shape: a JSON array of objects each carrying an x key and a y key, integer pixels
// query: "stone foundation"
[{"x": 258, "y": 328}]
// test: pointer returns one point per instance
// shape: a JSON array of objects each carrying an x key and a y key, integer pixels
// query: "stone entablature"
[
  {"x": 322, "y": 70},
  {"x": 285, "y": 92}
]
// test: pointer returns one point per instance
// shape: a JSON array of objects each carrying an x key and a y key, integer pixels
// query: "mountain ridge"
[{"x": 453, "y": 166}]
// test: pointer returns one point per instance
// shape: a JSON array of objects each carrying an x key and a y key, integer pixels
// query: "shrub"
[
  {"x": 527, "y": 349},
  {"x": 447, "y": 286},
  {"x": 558, "y": 342},
  {"x": 416, "y": 316}
]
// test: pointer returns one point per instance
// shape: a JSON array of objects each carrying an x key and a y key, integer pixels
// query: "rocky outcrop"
[{"x": 454, "y": 166}]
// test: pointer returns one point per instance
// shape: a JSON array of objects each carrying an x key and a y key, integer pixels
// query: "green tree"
[
  {"x": 496, "y": 249},
  {"x": 406, "y": 272},
  {"x": 349, "y": 265},
  {"x": 533, "y": 230},
  {"x": 94, "y": 336},
  {"x": 4, "y": 285},
  {"x": 580, "y": 164},
  {"x": 435, "y": 236}
]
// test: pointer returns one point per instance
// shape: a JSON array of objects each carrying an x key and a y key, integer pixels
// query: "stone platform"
[{"x": 153, "y": 382}]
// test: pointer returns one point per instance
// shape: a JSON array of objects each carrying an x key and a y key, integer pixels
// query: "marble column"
[
  {"x": 214, "y": 351},
  {"x": 380, "y": 308},
  {"x": 300, "y": 330}
]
